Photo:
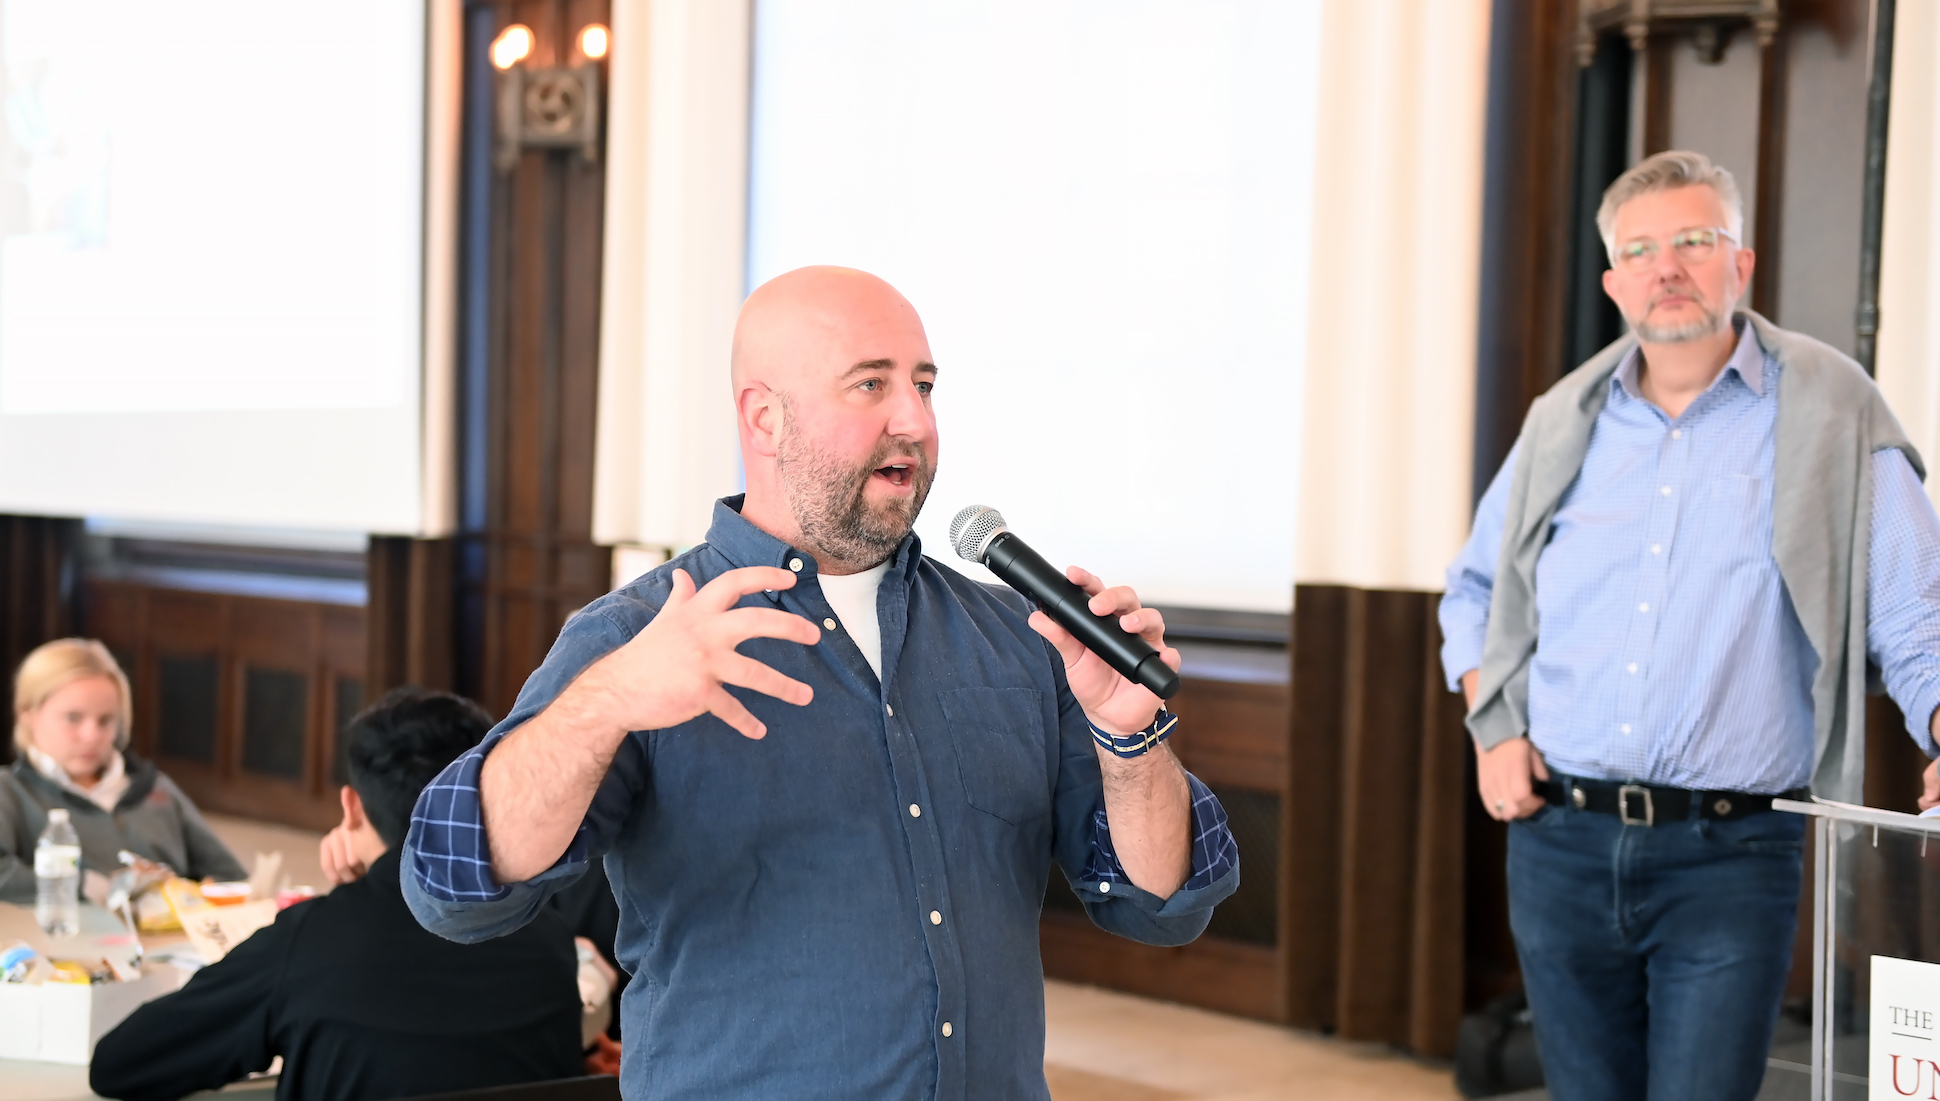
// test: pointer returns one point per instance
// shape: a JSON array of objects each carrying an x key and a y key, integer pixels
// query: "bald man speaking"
[{"x": 828, "y": 777}]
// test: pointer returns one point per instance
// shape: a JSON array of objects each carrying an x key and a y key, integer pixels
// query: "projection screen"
[
  {"x": 1101, "y": 209},
  {"x": 212, "y": 242}
]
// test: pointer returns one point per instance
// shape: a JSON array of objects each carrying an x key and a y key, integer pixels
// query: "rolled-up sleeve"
[
  {"x": 1464, "y": 610},
  {"x": 1903, "y": 593},
  {"x": 1090, "y": 863},
  {"x": 447, "y": 866}
]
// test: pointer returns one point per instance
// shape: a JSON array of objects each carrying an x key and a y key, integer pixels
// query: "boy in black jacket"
[{"x": 360, "y": 1001}]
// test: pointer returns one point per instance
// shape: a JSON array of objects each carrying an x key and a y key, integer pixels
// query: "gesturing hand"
[
  {"x": 1117, "y": 705},
  {"x": 676, "y": 668}
]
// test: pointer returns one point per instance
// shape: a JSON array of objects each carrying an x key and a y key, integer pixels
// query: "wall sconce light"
[
  {"x": 592, "y": 41},
  {"x": 557, "y": 107}
]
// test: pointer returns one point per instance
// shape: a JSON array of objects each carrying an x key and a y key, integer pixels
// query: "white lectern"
[{"x": 1875, "y": 953}]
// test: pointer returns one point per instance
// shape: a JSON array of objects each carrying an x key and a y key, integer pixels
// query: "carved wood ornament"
[{"x": 1709, "y": 22}]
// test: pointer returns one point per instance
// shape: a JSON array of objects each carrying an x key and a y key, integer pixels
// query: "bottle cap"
[{"x": 58, "y": 814}]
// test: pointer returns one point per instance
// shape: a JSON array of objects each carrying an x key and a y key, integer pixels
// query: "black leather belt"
[{"x": 1651, "y": 805}]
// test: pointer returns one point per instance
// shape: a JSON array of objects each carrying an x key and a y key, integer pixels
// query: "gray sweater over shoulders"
[{"x": 1831, "y": 418}]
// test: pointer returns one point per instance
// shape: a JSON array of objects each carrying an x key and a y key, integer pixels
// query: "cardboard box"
[{"x": 59, "y": 1022}]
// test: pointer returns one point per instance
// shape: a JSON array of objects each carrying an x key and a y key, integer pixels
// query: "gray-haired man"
[{"x": 1664, "y": 618}]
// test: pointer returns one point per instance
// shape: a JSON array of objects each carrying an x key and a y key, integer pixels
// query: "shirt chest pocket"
[
  {"x": 1732, "y": 521},
  {"x": 1000, "y": 748}
]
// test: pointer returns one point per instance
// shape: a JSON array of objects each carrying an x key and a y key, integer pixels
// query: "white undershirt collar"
[{"x": 853, "y": 599}]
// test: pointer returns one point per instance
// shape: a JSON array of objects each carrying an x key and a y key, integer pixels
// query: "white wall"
[
  {"x": 1105, "y": 213},
  {"x": 1102, "y": 211},
  {"x": 1907, "y": 360}
]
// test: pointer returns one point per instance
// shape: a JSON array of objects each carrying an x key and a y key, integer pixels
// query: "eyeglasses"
[{"x": 1691, "y": 246}]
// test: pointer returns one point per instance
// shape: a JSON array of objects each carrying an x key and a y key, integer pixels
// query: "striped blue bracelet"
[{"x": 1138, "y": 742}]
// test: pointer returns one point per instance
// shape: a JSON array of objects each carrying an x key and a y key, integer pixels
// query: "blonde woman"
[{"x": 70, "y": 735}]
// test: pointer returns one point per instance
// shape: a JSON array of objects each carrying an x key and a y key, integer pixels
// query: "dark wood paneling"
[
  {"x": 1376, "y": 857},
  {"x": 1215, "y": 974},
  {"x": 37, "y": 594},
  {"x": 300, "y": 650},
  {"x": 1436, "y": 981},
  {"x": 411, "y": 626},
  {"x": 1381, "y": 737},
  {"x": 1312, "y": 862},
  {"x": 1232, "y": 735}
]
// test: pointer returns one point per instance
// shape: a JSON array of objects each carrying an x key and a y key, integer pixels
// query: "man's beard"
[
  {"x": 830, "y": 503},
  {"x": 1711, "y": 323}
]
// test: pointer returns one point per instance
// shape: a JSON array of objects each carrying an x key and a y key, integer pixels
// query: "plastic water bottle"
[{"x": 57, "y": 866}]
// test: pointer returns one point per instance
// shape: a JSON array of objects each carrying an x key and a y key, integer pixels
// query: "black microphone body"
[{"x": 1025, "y": 570}]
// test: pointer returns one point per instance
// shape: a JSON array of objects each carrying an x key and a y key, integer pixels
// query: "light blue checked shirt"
[{"x": 1669, "y": 652}]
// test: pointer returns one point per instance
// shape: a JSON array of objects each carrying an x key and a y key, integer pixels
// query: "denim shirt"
[{"x": 848, "y": 907}]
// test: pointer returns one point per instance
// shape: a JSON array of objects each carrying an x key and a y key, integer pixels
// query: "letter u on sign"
[{"x": 1903, "y": 1059}]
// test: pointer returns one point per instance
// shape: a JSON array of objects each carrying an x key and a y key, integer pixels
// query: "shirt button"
[
  {"x": 946, "y": 1028},
  {"x": 1656, "y": 548},
  {"x": 891, "y": 710},
  {"x": 915, "y": 811},
  {"x": 936, "y": 917},
  {"x": 829, "y": 623},
  {"x": 1666, "y": 491},
  {"x": 1643, "y": 607},
  {"x": 1104, "y": 888},
  {"x": 796, "y": 563},
  {"x": 1677, "y": 433},
  {"x": 1633, "y": 667},
  {"x": 1625, "y": 728}
]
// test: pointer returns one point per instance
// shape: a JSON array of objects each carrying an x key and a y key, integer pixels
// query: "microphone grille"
[{"x": 972, "y": 529}]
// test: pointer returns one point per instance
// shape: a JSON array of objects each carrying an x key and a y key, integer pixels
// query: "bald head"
[
  {"x": 806, "y": 320},
  {"x": 832, "y": 378}
]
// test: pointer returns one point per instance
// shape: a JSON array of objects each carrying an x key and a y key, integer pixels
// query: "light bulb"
[
  {"x": 512, "y": 45},
  {"x": 593, "y": 41}
]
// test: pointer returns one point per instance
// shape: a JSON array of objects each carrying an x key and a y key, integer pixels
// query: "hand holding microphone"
[{"x": 1114, "y": 650}]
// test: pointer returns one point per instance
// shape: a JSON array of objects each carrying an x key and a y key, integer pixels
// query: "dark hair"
[{"x": 396, "y": 746}]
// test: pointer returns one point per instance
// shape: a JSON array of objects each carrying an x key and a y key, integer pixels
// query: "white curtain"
[
  {"x": 443, "y": 96},
  {"x": 1390, "y": 380},
  {"x": 1907, "y": 359},
  {"x": 676, "y": 231}
]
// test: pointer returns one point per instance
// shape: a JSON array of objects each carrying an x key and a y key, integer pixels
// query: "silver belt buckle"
[{"x": 1623, "y": 805}]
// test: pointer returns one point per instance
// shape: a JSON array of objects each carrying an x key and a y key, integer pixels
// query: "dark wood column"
[
  {"x": 530, "y": 288},
  {"x": 37, "y": 594},
  {"x": 1526, "y": 213},
  {"x": 410, "y": 631}
]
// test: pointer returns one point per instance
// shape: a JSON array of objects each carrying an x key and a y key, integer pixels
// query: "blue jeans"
[{"x": 1655, "y": 958}]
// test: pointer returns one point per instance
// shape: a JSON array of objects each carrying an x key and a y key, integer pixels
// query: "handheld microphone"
[{"x": 980, "y": 535}]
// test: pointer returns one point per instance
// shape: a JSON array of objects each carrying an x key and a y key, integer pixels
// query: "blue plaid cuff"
[
  {"x": 453, "y": 862},
  {"x": 1213, "y": 851}
]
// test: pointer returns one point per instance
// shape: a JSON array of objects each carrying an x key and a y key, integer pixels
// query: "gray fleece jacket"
[{"x": 154, "y": 820}]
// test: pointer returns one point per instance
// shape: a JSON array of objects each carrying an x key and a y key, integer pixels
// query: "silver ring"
[{"x": 1499, "y": 804}]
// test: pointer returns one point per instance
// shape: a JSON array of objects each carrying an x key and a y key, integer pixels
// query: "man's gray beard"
[
  {"x": 1678, "y": 334},
  {"x": 829, "y": 503}
]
